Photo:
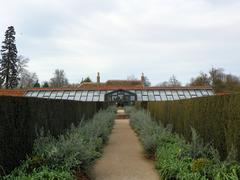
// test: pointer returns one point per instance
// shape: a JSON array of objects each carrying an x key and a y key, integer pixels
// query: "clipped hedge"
[
  {"x": 216, "y": 119},
  {"x": 23, "y": 118}
]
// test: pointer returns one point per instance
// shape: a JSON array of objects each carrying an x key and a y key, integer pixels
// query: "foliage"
[
  {"x": 77, "y": 148},
  {"x": 215, "y": 118},
  {"x": 8, "y": 63},
  {"x": 220, "y": 81},
  {"x": 36, "y": 85},
  {"x": 22, "y": 118},
  {"x": 87, "y": 79},
  {"x": 45, "y": 84},
  {"x": 177, "y": 159}
]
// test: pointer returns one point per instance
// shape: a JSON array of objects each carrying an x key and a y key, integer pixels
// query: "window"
[
  {"x": 180, "y": 93},
  {"x": 204, "y": 92},
  {"x": 83, "y": 98},
  {"x": 175, "y": 95},
  {"x": 145, "y": 98},
  {"x": 192, "y": 93},
  {"x": 101, "y": 97},
  {"x": 84, "y": 93},
  {"x": 29, "y": 93},
  {"x": 95, "y": 98},
  {"x": 96, "y": 93},
  {"x": 53, "y": 94},
  {"x": 41, "y": 93},
  {"x": 164, "y": 97},
  {"x": 151, "y": 96},
  {"x": 156, "y": 92},
  {"x": 139, "y": 97},
  {"x": 77, "y": 95},
  {"x": 34, "y": 94},
  {"x": 210, "y": 92},
  {"x": 168, "y": 93},
  {"x": 65, "y": 95},
  {"x": 169, "y": 98},
  {"x": 59, "y": 94},
  {"x": 144, "y": 93},
  {"x": 198, "y": 92},
  {"x": 70, "y": 97},
  {"x": 186, "y": 93},
  {"x": 158, "y": 98},
  {"x": 47, "y": 93},
  {"x": 72, "y": 93}
]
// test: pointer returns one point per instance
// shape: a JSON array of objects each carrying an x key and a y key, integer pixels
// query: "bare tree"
[{"x": 59, "y": 79}]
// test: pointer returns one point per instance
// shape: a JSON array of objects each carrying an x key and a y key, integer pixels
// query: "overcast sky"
[{"x": 125, "y": 37}]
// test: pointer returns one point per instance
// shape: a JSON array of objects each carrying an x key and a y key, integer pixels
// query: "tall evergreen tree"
[{"x": 8, "y": 63}]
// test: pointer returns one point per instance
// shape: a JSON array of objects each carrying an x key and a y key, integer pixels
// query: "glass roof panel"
[
  {"x": 59, "y": 93},
  {"x": 204, "y": 92},
  {"x": 169, "y": 98},
  {"x": 47, "y": 93},
  {"x": 145, "y": 98},
  {"x": 158, "y": 98},
  {"x": 156, "y": 92},
  {"x": 168, "y": 92},
  {"x": 65, "y": 95},
  {"x": 95, "y": 98},
  {"x": 144, "y": 93},
  {"x": 84, "y": 93},
  {"x": 29, "y": 93},
  {"x": 72, "y": 93},
  {"x": 164, "y": 98},
  {"x": 210, "y": 92},
  {"x": 41, "y": 94},
  {"x": 198, "y": 92},
  {"x": 34, "y": 94},
  {"x": 139, "y": 97},
  {"x": 53, "y": 94},
  {"x": 77, "y": 95},
  {"x": 71, "y": 98}
]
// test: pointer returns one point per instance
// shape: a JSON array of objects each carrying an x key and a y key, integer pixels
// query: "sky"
[{"x": 119, "y": 38}]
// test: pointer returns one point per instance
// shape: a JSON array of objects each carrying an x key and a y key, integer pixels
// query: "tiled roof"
[
  {"x": 124, "y": 87},
  {"x": 12, "y": 92}
]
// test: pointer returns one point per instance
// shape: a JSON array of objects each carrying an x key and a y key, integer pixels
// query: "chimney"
[
  {"x": 98, "y": 77},
  {"x": 142, "y": 78}
]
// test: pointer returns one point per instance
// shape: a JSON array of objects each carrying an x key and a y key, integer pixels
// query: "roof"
[
  {"x": 123, "y": 87},
  {"x": 12, "y": 92}
]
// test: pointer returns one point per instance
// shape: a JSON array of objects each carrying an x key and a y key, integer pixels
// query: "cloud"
[{"x": 119, "y": 38}]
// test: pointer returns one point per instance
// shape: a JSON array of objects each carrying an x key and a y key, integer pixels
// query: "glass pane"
[
  {"x": 59, "y": 93},
  {"x": 151, "y": 96},
  {"x": 72, "y": 93},
  {"x": 70, "y": 97},
  {"x": 156, "y": 93},
  {"x": 182, "y": 97},
  {"x": 145, "y": 98},
  {"x": 144, "y": 93},
  {"x": 180, "y": 92},
  {"x": 65, "y": 95},
  {"x": 210, "y": 92},
  {"x": 53, "y": 95},
  {"x": 101, "y": 98},
  {"x": 192, "y": 93},
  {"x": 168, "y": 93},
  {"x": 96, "y": 93},
  {"x": 84, "y": 93},
  {"x": 186, "y": 93},
  {"x": 157, "y": 98},
  {"x": 164, "y": 98},
  {"x": 34, "y": 94},
  {"x": 83, "y": 98},
  {"x": 89, "y": 97},
  {"x": 198, "y": 92},
  {"x": 41, "y": 93},
  {"x": 77, "y": 95},
  {"x": 47, "y": 93},
  {"x": 132, "y": 98},
  {"x": 169, "y": 98},
  {"x": 162, "y": 93},
  {"x": 103, "y": 92},
  {"x": 29, "y": 93},
  {"x": 95, "y": 98},
  {"x": 204, "y": 92},
  {"x": 139, "y": 97}
]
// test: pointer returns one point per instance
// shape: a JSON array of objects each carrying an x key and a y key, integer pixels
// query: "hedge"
[
  {"x": 216, "y": 119},
  {"x": 23, "y": 118}
]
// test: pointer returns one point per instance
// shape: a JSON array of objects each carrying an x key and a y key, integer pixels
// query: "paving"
[{"x": 123, "y": 157}]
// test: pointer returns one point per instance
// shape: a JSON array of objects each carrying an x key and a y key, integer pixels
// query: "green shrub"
[
  {"x": 77, "y": 148},
  {"x": 177, "y": 159}
]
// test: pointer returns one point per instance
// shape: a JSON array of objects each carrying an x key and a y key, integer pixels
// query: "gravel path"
[{"x": 123, "y": 157}]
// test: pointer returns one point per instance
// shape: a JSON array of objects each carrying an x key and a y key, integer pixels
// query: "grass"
[
  {"x": 175, "y": 158},
  {"x": 60, "y": 157}
]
